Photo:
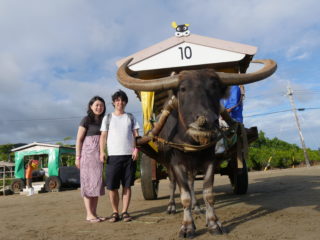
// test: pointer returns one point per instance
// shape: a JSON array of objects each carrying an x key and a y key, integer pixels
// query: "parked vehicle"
[{"x": 55, "y": 166}]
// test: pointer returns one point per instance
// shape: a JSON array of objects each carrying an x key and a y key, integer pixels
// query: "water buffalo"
[{"x": 189, "y": 129}]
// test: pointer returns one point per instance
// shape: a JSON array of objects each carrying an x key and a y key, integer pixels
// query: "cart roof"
[
  {"x": 206, "y": 50},
  {"x": 39, "y": 146}
]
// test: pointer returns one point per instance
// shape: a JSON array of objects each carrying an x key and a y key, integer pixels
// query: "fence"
[{"x": 6, "y": 173}]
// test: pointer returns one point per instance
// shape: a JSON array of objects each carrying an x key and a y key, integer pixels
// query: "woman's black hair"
[
  {"x": 119, "y": 94},
  {"x": 91, "y": 116}
]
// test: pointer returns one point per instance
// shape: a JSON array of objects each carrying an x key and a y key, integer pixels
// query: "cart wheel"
[
  {"x": 239, "y": 176},
  {"x": 149, "y": 187},
  {"x": 17, "y": 185},
  {"x": 52, "y": 183},
  {"x": 239, "y": 179}
]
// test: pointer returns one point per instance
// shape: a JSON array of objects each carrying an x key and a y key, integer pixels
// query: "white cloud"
[
  {"x": 55, "y": 55},
  {"x": 10, "y": 73}
]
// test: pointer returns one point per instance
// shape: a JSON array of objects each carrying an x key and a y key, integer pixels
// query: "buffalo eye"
[{"x": 182, "y": 89}]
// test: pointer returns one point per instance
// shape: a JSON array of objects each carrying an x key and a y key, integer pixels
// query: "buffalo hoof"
[
  {"x": 187, "y": 231},
  {"x": 194, "y": 226},
  {"x": 218, "y": 230},
  {"x": 171, "y": 209},
  {"x": 188, "y": 234},
  {"x": 197, "y": 209}
]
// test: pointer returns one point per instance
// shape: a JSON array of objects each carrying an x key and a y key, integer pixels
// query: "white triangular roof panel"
[
  {"x": 186, "y": 54},
  {"x": 188, "y": 51},
  {"x": 38, "y": 146}
]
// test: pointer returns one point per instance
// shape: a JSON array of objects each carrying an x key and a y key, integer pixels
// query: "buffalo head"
[
  {"x": 198, "y": 103},
  {"x": 198, "y": 93}
]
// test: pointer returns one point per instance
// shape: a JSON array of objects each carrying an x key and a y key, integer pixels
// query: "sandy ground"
[{"x": 280, "y": 204}]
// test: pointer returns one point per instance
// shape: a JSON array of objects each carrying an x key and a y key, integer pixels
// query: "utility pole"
[{"x": 294, "y": 109}]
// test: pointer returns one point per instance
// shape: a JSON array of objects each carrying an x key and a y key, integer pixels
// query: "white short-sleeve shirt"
[{"x": 120, "y": 140}]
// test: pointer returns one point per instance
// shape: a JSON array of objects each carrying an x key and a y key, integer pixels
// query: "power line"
[
  {"x": 297, "y": 92},
  {"x": 136, "y": 112},
  {"x": 286, "y": 110},
  {"x": 307, "y": 91},
  {"x": 46, "y": 140},
  {"x": 264, "y": 95},
  {"x": 268, "y": 113},
  {"x": 41, "y": 119}
]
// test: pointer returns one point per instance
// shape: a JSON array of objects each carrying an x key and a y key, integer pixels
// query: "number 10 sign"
[{"x": 186, "y": 54}]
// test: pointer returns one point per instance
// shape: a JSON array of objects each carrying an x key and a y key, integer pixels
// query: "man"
[
  {"x": 119, "y": 130},
  {"x": 31, "y": 166},
  {"x": 234, "y": 104}
]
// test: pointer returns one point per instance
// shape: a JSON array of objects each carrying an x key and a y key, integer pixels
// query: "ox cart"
[{"x": 189, "y": 52}]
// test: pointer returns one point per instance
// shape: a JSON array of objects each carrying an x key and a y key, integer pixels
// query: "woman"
[{"x": 87, "y": 158}]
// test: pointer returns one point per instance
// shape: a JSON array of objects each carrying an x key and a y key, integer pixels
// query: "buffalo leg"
[
  {"x": 194, "y": 202},
  {"x": 212, "y": 221},
  {"x": 187, "y": 229},
  {"x": 172, "y": 188}
]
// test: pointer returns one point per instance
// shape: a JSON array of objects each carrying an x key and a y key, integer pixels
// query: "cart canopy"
[{"x": 53, "y": 152}]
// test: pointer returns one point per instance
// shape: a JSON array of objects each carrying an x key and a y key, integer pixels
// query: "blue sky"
[{"x": 56, "y": 55}]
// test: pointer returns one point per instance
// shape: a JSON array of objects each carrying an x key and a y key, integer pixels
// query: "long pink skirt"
[{"x": 91, "y": 168}]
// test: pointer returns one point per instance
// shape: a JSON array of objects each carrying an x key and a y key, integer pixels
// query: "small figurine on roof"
[{"x": 181, "y": 30}]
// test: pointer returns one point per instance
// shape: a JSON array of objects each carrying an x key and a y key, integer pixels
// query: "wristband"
[
  {"x": 135, "y": 149},
  {"x": 78, "y": 157}
]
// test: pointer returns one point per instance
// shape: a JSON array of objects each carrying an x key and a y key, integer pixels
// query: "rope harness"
[
  {"x": 185, "y": 147},
  {"x": 229, "y": 135}
]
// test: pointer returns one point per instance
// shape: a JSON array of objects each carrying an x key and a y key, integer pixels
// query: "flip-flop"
[{"x": 94, "y": 220}]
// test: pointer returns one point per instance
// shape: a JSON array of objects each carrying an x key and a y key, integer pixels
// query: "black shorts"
[{"x": 120, "y": 169}]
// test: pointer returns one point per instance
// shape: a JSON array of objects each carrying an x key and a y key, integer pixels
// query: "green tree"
[
  {"x": 283, "y": 154},
  {"x": 5, "y": 152}
]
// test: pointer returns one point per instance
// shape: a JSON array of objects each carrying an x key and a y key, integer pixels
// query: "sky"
[{"x": 56, "y": 55}]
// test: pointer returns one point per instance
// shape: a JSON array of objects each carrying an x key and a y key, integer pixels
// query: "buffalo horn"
[
  {"x": 145, "y": 85},
  {"x": 269, "y": 68}
]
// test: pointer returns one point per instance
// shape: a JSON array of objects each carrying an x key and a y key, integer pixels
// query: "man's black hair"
[{"x": 120, "y": 94}]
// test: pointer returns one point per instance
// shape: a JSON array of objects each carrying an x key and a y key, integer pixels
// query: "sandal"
[
  {"x": 114, "y": 217},
  {"x": 126, "y": 217},
  {"x": 94, "y": 220},
  {"x": 102, "y": 218}
]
